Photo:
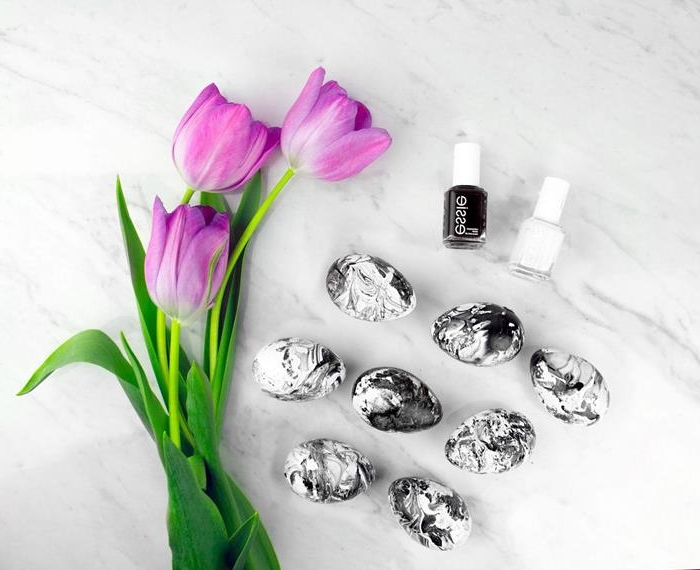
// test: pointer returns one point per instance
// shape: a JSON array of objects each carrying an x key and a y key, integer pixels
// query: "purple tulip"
[
  {"x": 218, "y": 146},
  {"x": 329, "y": 135},
  {"x": 186, "y": 259}
]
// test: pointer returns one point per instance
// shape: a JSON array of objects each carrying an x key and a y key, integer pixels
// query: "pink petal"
[
  {"x": 156, "y": 245},
  {"x": 240, "y": 171},
  {"x": 271, "y": 144},
  {"x": 330, "y": 119},
  {"x": 166, "y": 280},
  {"x": 195, "y": 221},
  {"x": 302, "y": 106},
  {"x": 208, "y": 213},
  {"x": 363, "y": 119},
  {"x": 209, "y": 97},
  {"x": 350, "y": 154},
  {"x": 209, "y": 148},
  {"x": 331, "y": 89},
  {"x": 194, "y": 291}
]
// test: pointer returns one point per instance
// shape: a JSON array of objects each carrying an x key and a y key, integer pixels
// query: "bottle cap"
[
  {"x": 467, "y": 167},
  {"x": 550, "y": 204}
]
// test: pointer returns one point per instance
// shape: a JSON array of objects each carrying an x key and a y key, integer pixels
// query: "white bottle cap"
[
  {"x": 550, "y": 204},
  {"x": 467, "y": 164}
]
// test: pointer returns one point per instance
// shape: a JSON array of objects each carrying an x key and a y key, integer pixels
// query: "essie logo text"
[{"x": 460, "y": 215}]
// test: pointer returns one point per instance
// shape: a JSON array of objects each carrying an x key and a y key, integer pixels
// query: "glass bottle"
[
  {"x": 540, "y": 238},
  {"x": 464, "y": 221}
]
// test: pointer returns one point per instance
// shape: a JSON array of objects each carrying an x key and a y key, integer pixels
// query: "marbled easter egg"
[
  {"x": 430, "y": 512},
  {"x": 391, "y": 399},
  {"x": 491, "y": 441},
  {"x": 483, "y": 334},
  {"x": 570, "y": 387},
  {"x": 368, "y": 288},
  {"x": 327, "y": 471},
  {"x": 296, "y": 369}
]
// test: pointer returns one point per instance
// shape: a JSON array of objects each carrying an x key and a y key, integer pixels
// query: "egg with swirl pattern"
[
  {"x": 483, "y": 334},
  {"x": 431, "y": 513},
  {"x": 368, "y": 288}
]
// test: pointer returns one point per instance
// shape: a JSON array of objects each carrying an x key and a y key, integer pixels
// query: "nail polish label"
[
  {"x": 466, "y": 211},
  {"x": 537, "y": 246}
]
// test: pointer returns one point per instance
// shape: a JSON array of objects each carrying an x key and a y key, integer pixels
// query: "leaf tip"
[{"x": 120, "y": 192}]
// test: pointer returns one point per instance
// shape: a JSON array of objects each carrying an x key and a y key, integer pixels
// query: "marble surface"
[{"x": 605, "y": 94}]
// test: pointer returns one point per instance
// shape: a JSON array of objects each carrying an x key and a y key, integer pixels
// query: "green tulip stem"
[
  {"x": 161, "y": 331},
  {"x": 235, "y": 255},
  {"x": 187, "y": 196},
  {"x": 162, "y": 343},
  {"x": 174, "y": 377}
]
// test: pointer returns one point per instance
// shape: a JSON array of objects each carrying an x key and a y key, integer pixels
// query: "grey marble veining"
[{"x": 605, "y": 94}]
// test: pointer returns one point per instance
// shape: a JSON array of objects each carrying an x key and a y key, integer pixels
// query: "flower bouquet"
[{"x": 192, "y": 269}]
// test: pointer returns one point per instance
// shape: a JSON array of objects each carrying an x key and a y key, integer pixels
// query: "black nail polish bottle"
[{"x": 464, "y": 224}]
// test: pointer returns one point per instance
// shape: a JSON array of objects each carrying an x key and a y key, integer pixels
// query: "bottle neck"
[
  {"x": 472, "y": 187},
  {"x": 550, "y": 203}
]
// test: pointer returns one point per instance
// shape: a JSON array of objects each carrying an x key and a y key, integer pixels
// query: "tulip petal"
[
  {"x": 214, "y": 144},
  {"x": 194, "y": 289},
  {"x": 363, "y": 119},
  {"x": 331, "y": 90},
  {"x": 208, "y": 213},
  {"x": 330, "y": 119},
  {"x": 209, "y": 97},
  {"x": 183, "y": 224},
  {"x": 240, "y": 172},
  {"x": 301, "y": 107},
  {"x": 271, "y": 143},
  {"x": 165, "y": 294},
  {"x": 350, "y": 154},
  {"x": 156, "y": 245}
]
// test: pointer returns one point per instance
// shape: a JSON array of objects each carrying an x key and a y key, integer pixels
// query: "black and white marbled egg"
[
  {"x": 570, "y": 387},
  {"x": 430, "y": 512},
  {"x": 297, "y": 369},
  {"x": 368, "y": 288},
  {"x": 491, "y": 441},
  {"x": 392, "y": 399},
  {"x": 483, "y": 334},
  {"x": 327, "y": 471}
]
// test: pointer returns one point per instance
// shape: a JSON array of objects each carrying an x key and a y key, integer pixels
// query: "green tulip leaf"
[
  {"x": 241, "y": 541},
  {"x": 200, "y": 412},
  {"x": 157, "y": 417},
  {"x": 262, "y": 554},
  {"x": 232, "y": 503},
  {"x": 136, "y": 256},
  {"x": 199, "y": 469},
  {"x": 250, "y": 201},
  {"x": 198, "y": 538},
  {"x": 249, "y": 204},
  {"x": 92, "y": 347},
  {"x": 217, "y": 202}
]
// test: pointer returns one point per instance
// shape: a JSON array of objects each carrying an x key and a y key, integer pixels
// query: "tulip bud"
[
  {"x": 217, "y": 147},
  {"x": 186, "y": 259},
  {"x": 329, "y": 135}
]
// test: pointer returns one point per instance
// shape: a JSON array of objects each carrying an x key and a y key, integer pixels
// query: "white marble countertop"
[{"x": 605, "y": 94}]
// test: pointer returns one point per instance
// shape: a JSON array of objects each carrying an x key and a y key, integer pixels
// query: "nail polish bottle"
[
  {"x": 540, "y": 237},
  {"x": 464, "y": 222}
]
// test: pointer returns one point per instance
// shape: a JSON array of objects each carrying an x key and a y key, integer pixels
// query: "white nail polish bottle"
[{"x": 541, "y": 236}]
